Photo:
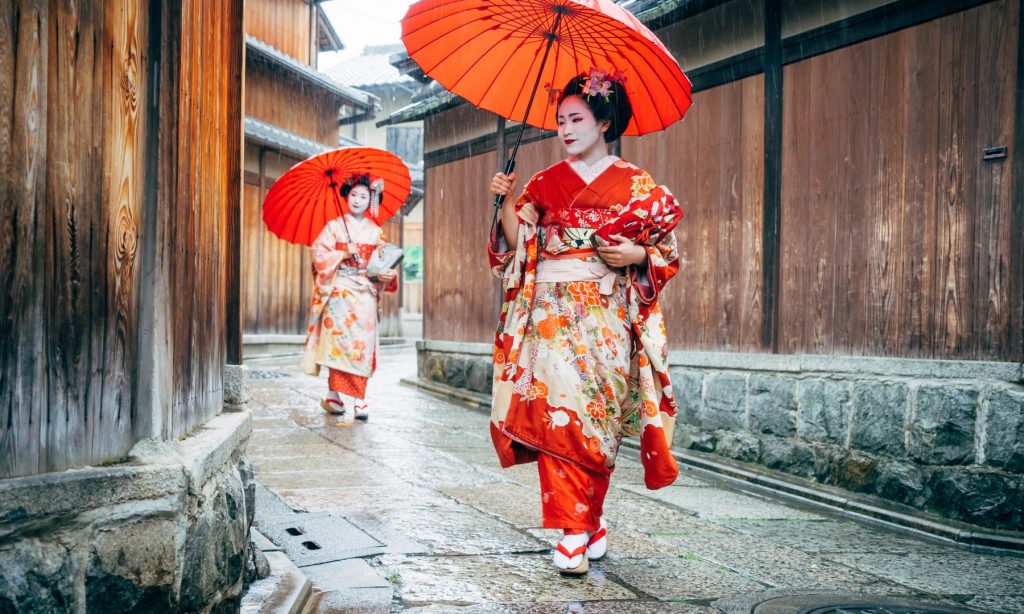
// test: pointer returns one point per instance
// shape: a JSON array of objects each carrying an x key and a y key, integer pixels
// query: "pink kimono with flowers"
[
  {"x": 342, "y": 331},
  {"x": 579, "y": 364}
]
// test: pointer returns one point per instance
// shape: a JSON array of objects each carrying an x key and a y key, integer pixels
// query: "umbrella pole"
[{"x": 552, "y": 36}]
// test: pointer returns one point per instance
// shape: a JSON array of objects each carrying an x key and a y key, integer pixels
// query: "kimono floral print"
[
  {"x": 578, "y": 365},
  {"x": 342, "y": 330}
]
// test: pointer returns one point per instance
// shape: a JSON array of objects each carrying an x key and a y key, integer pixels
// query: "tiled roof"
[
  {"x": 372, "y": 68},
  {"x": 267, "y": 53},
  {"x": 274, "y": 136}
]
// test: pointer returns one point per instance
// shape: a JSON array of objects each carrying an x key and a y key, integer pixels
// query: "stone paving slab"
[
  {"x": 572, "y": 607},
  {"x": 946, "y": 573},
  {"x": 346, "y": 574},
  {"x": 351, "y": 601},
  {"x": 679, "y": 578},
  {"x": 777, "y": 566},
  {"x": 331, "y": 478},
  {"x": 514, "y": 503},
  {"x": 721, "y": 504},
  {"x": 347, "y": 499},
  {"x": 824, "y": 536},
  {"x": 453, "y": 529},
  {"x": 439, "y": 469},
  {"x": 470, "y": 580}
]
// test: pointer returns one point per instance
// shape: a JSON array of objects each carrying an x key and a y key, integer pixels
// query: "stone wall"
[
  {"x": 937, "y": 435},
  {"x": 166, "y": 531},
  {"x": 942, "y": 436}
]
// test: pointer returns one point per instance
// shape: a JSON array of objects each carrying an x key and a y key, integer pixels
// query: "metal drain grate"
[
  {"x": 312, "y": 539},
  {"x": 852, "y": 604}
]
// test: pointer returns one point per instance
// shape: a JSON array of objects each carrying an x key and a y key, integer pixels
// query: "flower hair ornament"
[{"x": 599, "y": 83}]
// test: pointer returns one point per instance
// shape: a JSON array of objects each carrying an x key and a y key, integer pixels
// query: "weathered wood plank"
[{"x": 23, "y": 114}]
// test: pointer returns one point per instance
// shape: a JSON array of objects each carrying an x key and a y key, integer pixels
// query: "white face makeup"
[
  {"x": 579, "y": 131},
  {"x": 358, "y": 200}
]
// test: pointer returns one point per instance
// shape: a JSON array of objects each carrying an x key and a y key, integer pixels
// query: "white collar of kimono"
[{"x": 589, "y": 173}]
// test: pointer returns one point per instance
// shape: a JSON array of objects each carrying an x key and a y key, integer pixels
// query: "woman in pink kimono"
[
  {"x": 580, "y": 353},
  {"x": 343, "y": 317}
]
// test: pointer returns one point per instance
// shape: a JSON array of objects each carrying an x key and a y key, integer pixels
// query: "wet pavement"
[{"x": 411, "y": 512}]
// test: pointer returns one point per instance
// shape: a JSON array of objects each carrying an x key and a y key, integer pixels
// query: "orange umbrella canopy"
[
  {"x": 489, "y": 52},
  {"x": 303, "y": 200}
]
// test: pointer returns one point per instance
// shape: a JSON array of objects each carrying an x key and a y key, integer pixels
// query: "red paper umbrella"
[
  {"x": 491, "y": 52},
  {"x": 497, "y": 53},
  {"x": 303, "y": 200}
]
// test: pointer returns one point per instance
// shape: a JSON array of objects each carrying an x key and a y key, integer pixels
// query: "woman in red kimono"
[
  {"x": 580, "y": 353},
  {"x": 342, "y": 330}
]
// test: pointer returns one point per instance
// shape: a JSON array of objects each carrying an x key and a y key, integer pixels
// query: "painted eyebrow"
[{"x": 577, "y": 114}]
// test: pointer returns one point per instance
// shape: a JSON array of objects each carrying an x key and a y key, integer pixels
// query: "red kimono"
[{"x": 580, "y": 352}]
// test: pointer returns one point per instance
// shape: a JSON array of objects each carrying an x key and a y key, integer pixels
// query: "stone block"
[
  {"x": 433, "y": 367},
  {"x": 845, "y": 468},
  {"x": 236, "y": 386},
  {"x": 687, "y": 386},
  {"x": 725, "y": 403},
  {"x": 215, "y": 544},
  {"x": 739, "y": 445},
  {"x": 879, "y": 415},
  {"x": 902, "y": 482},
  {"x": 37, "y": 576},
  {"x": 789, "y": 456},
  {"x": 824, "y": 411},
  {"x": 481, "y": 375},
  {"x": 942, "y": 432},
  {"x": 1004, "y": 430},
  {"x": 132, "y": 567},
  {"x": 772, "y": 405},
  {"x": 456, "y": 370},
  {"x": 688, "y": 436},
  {"x": 979, "y": 496},
  {"x": 857, "y": 472}
]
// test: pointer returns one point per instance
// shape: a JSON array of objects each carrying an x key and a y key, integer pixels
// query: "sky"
[{"x": 360, "y": 23}]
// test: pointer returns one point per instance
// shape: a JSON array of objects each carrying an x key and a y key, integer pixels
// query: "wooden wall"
[
  {"x": 201, "y": 169},
  {"x": 78, "y": 201},
  {"x": 910, "y": 248},
  {"x": 277, "y": 278},
  {"x": 73, "y": 100},
  {"x": 283, "y": 24},
  {"x": 712, "y": 162},
  {"x": 294, "y": 105}
]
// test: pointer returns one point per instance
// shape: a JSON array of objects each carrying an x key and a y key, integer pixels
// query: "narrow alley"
[{"x": 410, "y": 512}]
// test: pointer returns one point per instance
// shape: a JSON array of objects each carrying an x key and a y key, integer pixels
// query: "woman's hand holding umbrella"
[{"x": 502, "y": 185}]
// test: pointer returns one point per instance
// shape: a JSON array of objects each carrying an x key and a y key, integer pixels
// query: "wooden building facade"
[
  {"x": 881, "y": 215},
  {"x": 292, "y": 112},
  {"x": 120, "y": 130}
]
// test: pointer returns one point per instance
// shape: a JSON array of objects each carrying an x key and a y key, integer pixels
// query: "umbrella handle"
[{"x": 499, "y": 199}]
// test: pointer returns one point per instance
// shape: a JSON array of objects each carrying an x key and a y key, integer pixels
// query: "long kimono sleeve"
[
  {"x": 648, "y": 219},
  {"x": 325, "y": 254},
  {"x": 506, "y": 263}
]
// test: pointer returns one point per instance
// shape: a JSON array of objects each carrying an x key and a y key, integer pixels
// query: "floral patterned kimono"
[
  {"x": 342, "y": 333},
  {"x": 580, "y": 352}
]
